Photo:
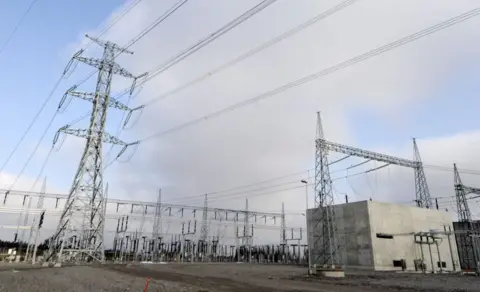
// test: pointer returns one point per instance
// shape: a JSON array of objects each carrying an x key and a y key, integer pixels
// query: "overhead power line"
[
  {"x": 203, "y": 42},
  {"x": 256, "y": 50},
  {"x": 47, "y": 100},
  {"x": 244, "y": 186},
  {"x": 115, "y": 21},
  {"x": 192, "y": 49},
  {"x": 29, "y": 127},
  {"x": 17, "y": 26},
  {"x": 324, "y": 72},
  {"x": 142, "y": 34}
]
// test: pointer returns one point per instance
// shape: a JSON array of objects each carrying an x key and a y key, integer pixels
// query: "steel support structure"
[
  {"x": 325, "y": 232},
  {"x": 80, "y": 238},
  {"x": 468, "y": 242},
  {"x": 157, "y": 232}
]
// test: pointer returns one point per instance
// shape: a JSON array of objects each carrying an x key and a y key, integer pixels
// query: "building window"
[
  {"x": 444, "y": 264},
  {"x": 384, "y": 236}
]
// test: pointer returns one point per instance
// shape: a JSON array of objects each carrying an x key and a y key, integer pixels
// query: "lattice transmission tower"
[
  {"x": 79, "y": 234},
  {"x": 325, "y": 250},
  {"x": 283, "y": 227},
  {"x": 467, "y": 241},
  {"x": 421, "y": 188},
  {"x": 204, "y": 230}
]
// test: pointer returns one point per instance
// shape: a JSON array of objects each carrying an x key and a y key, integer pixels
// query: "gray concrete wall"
[
  {"x": 402, "y": 221},
  {"x": 358, "y": 224},
  {"x": 352, "y": 222}
]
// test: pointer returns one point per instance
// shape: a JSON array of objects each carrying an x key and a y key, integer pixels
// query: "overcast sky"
[{"x": 427, "y": 89}]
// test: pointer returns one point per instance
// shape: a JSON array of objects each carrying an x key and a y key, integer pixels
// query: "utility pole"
[
  {"x": 203, "y": 244},
  {"x": 283, "y": 228},
  {"x": 83, "y": 214},
  {"x": 246, "y": 240},
  {"x": 306, "y": 224},
  {"x": 37, "y": 234},
  {"x": 283, "y": 234},
  {"x": 34, "y": 227}
]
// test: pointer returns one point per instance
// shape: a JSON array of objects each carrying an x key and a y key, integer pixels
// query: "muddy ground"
[{"x": 217, "y": 277}]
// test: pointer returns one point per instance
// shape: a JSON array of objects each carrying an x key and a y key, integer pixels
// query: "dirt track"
[{"x": 217, "y": 277}]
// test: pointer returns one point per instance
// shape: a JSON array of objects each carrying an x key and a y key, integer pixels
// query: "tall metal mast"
[
  {"x": 79, "y": 234},
  {"x": 467, "y": 242},
  {"x": 325, "y": 249},
  {"x": 421, "y": 187},
  {"x": 283, "y": 227},
  {"x": 204, "y": 230}
]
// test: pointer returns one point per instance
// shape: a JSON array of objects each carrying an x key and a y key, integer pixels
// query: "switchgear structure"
[
  {"x": 79, "y": 234},
  {"x": 326, "y": 238}
]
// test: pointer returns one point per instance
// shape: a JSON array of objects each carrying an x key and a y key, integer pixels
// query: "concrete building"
[{"x": 378, "y": 236}]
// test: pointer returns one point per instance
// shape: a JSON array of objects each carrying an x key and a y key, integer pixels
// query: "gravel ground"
[
  {"x": 244, "y": 277},
  {"x": 217, "y": 277},
  {"x": 81, "y": 279}
]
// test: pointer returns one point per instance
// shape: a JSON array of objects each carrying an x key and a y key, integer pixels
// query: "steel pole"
[{"x": 308, "y": 234}]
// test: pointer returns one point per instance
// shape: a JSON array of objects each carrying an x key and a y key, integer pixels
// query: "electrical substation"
[{"x": 336, "y": 244}]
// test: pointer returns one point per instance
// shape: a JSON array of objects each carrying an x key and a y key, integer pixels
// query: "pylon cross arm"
[
  {"x": 101, "y": 64},
  {"x": 84, "y": 133},
  {"x": 89, "y": 96},
  {"x": 470, "y": 190},
  {"x": 117, "y": 69}
]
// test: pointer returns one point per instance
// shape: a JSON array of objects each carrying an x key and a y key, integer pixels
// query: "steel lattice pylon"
[
  {"x": 468, "y": 242},
  {"x": 79, "y": 234},
  {"x": 325, "y": 228},
  {"x": 204, "y": 230},
  {"x": 283, "y": 227},
  {"x": 421, "y": 188}
]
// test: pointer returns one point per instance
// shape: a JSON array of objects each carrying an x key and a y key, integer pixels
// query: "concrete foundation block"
[{"x": 331, "y": 273}]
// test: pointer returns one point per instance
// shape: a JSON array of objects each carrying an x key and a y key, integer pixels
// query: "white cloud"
[{"x": 275, "y": 136}]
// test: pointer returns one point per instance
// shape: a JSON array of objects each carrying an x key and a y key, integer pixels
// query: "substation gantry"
[{"x": 326, "y": 252}]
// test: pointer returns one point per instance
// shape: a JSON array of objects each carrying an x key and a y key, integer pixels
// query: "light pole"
[{"x": 306, "y": 219}]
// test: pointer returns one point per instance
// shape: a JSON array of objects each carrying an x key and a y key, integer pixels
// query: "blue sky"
[
  {"x": 33, "y": 61},
  {"x": 37, "y": 54}
]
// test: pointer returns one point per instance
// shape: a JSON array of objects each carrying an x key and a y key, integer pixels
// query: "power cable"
[
  {"x": 44, "y": 164},
  {"x": 105, "y": 30},
  {"x": 243, "y": 192},
  {"x": 9, "y": 157},
  {"x": 201, "y": 197},
  {"x": 324, "y": 72},
  {"x": 17, "y": 26},
  {"x": 203, "y": 42},
  {"x": 242, "y": 186},
  {"x": 42, "y": 167},
  {"x": 153, "y": 25},
  {"x": 115, "y": 21},
  {"x": 192, "y": 49},
  {"x": 14, "y": 150},
  {"x": 133, "y": 41},
  {"x": 254, "y": 51},
  {"x": 450, "y": 169}
]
